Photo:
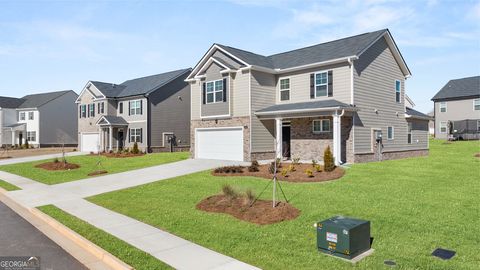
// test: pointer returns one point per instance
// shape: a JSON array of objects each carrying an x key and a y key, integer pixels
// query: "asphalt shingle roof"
[
  {"x": 458, "y": 88},
  {"x": 37, "y": 100},
  {"x": 331, "y": 103},
  {"x": 318, "y": 53},
  {"x": 416, "y": 113},
  {"x": 115, "y": 120},
  {"x": 10, "y": 102}
]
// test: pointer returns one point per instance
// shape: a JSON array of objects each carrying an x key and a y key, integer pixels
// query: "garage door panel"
[
  {"x": 90, "y": 142},
  {"x": 226, "y": 144}
]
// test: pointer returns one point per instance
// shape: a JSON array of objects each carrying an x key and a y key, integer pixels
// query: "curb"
[{"x": 57, "y": 232}]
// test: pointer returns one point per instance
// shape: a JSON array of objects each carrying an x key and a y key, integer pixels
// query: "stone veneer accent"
[
  {"x": 218, "y": 123},
  {"x": 361, "y": 158},
  {"x": 263, "y": 155}
]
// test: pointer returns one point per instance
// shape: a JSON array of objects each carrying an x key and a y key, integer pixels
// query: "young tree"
[{"x": 328, "y": 160}]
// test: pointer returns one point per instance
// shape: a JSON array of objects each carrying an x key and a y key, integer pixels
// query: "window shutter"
[
  {"x": 141, "y": 135},
  {"x": 141, "y": 107},
  {"x": 225, "y": 90},
  {"x": 98, "y": 108},
  {"x": 88, "y": 110},
  {"x": 312, "y": 85},
  {"x": 129, "y": 108},
  {"x": 204, "y": 92},
  {"x": 93, "y": 111},
  {"x": 330, "y": 83},
  {"x": 80, "y": 111}
]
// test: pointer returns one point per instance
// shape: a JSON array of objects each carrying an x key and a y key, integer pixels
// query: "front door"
[
  {"x": 286, "y": 141},
  {"x": 20, "y": 138},
  {"x": 120, "y": 139}
]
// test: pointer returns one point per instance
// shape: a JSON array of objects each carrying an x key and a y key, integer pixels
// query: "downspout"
[
  {"x": 337, "y": 137},
  {"x": 352, "y": 101}
]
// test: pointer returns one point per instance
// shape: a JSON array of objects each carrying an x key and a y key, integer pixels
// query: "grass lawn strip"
[
  {"x": 88, "y": 165},
  {"x": 415, "y": 205},
  {"x": 7, "y": 186},
  {"x": 136, "y": 258}
]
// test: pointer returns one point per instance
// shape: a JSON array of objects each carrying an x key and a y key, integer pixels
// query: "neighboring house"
[
  {"x": 457, "y": 107},
  {"x": 46, "y": 119},
  {"x": 341, "y": 94},
  {"x": 147, "y": 110}
]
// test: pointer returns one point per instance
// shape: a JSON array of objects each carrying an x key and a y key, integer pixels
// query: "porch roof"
[
  {"x": 305, "y": 107},
  {"x": 13, "y": 127},
  {"x": 111, "y": 120},
  {"x": 411, "y": 113}
]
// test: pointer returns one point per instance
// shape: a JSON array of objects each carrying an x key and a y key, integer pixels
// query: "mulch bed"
[
  {"x": 5, "y": 157},
  {"x": 477, "y": 155},
  {"x": 97, "y": 173},
  {"x": 58, "y": 166},
  {"x": 119, "y": 155},
  {"x": 261, "y": 212},
  {"x": 298, "y": 175}
]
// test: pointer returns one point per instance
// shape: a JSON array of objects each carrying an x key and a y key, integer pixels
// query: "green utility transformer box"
[{"x": 343, "y": 237}]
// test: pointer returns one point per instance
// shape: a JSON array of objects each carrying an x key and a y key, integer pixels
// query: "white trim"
[
  {"x": 99, "y": 146},
  {"x": 474, "y": 103},
  {"x": 409, "y": 100},
  {"x": 217, "y": 128},
  {"x": 440, "y": 127},
  {"x": 86, "y": 87},
  {"x": 306, "y": 110},
  {"x": 210, "y": 61},
  {"x": 216, "y": 116},
  {"x": 400, "y": 91},
  {"x": 135, "y": 109},
  {"x": 163, "y": 137},
  {"x": 214, "y": 92},
  {"x": 393, "y": 133},
  {"x": 279, "y": 88},
  {"x": 317, "y": 64},
  {"x": 315, "y": 82},
  {"x": 440, "y": 107},
  {"x": 250, "y": 113},
  {"x": 137, "y": 121},
  {"x": 350, "y": 62},
  {"x": 321, "y": 126}
]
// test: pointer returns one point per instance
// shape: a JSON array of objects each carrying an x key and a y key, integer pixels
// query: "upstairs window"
[
  {"x": 120, "y": 107},
  {"x": 91, "y": 110},
  {"x": 214, "y": 91},
  {"x": 476, "y": 104},
  {"x": 83, "y": 111},
  {"x": 30, "y": 115},
  {"x": 390, "y": 132},
  {"x": 22, "y": 116},
  {"x": 322, "y": 125},
  {"x": 135, "y": 107},
  {"x": 443, "y": 106},
  {"x": 321, "y": 84},
  {"x": 284, "y": 89},
  {"x": 398, "y": 90},
  {"x": 102, "y": 107}
]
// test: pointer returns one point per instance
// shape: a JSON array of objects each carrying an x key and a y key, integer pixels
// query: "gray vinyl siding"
[
  {"x": 58, "y": 121},
  {"x": 170, "y": 112},
  {"x": 240, "y": 94},
  {"x": 300, "y": 84},
  {"x": 456, "y": 110},
  {"x": 374, "y": 89},
  {"x": 419, "y": 132},
  {"x": 195, "y": 99},
  {"x": 262, "y": 95},
  {"x": 227, "y": 59},
  {"x": 217, "y": 108}
]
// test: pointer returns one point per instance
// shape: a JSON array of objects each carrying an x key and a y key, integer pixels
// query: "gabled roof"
[
  {"x": 460, "y": 88},
  {"x": 10, "y": 102},
  {"x": 37, "y": 100},
  {"x": 139, "y": 86},
  {"x": 112, "y": 120},
  {"x": 349, "y": 47},
  {"x": 411, "y": 113}
]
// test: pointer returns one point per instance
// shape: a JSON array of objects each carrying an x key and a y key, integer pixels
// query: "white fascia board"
[
  {"x": 306, "y": 110},
  {"x": 313, "y": 65}
]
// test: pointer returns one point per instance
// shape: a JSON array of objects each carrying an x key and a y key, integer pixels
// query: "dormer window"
[{"x": 214, "y": 91}]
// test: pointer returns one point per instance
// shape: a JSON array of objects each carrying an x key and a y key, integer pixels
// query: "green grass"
[
  {"x": 125, "y": 252},
  {"x": 415, "y": 205},
  {"x": 88, "y": 164},
  {"x": 7, "y": 186}
]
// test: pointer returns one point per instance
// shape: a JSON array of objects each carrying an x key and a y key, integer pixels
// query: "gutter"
[{"x": 307, "y": 110}]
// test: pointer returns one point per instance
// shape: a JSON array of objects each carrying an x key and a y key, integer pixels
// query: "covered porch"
[
  {"x": 304, "y": 130},
  {"x": 15, "y": 134},
  {"x": 113, "y": 131}
]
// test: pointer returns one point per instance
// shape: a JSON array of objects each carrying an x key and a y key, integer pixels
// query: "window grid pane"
[
  {"x": 285, "y": 95},
  {"x": 325, "y": 125},
  {"x": 284, "y": 84}
]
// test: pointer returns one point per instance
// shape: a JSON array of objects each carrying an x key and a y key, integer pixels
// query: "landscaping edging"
[{"x": 59, "y": 233}]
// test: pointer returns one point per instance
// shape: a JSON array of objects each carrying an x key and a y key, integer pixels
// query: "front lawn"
[
  {"x": 7, "y": 186},
  {"x": 414, "y": 205},
  {"x": 88, "y": 164}
]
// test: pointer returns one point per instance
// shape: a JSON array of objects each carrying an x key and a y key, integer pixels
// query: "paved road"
[{"x": 20, "y": 238}]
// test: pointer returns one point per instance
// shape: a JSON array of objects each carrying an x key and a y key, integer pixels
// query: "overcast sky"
[{"x": 57, "y": 45}]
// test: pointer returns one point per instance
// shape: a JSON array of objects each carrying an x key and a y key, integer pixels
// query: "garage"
[
  {"x": 89, "y": 142},
  {"x": 219, "y": 143}
]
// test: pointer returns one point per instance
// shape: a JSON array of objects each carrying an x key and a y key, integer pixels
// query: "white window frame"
[
  {"x": 29, "y": 136},
  {"x": 214, "y": 91},
  {"x": 280, "y": 90},
  {"x": 137, "y": 109},
  {"x": 446, "y": 127},
  {"x": 443, "y": 104},
  {"x": 83, "y": 109},
  {"x": 22, "y": 116},
  {"x": 474, "y": 105},
  {"x": 91, "y": 110},
  {"x": 321, "y": 126},
  {"x": 31, "y": 116},
  {"x": 398, "y": 91},
  {"x": 393, "y": 133},
  {"x": 321, "y": 84},
  {"x": 135, "y": 133}
]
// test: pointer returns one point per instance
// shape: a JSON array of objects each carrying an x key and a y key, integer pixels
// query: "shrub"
[
  {"x": 329, "y": 160},
  {"x": 250, "y": 195},
  {"x": 309, "y": 173},
  {"x": 285, "y": 172},
  {"x": 318, "y": 168},
  {"x": 74, "y": 150},
  {"x": 135, "y": 150},
  {"x": 254, "y": 166},
  {"x": 110, "y": 152},
  {"x": 291, "y": 168},
  {"x": 279, "y": 162},
  {"x": 314, "y": 163},
  {"x": 229, "y": 169},
  {"x": 271, "y": 168},
  {"x": 55, "y": 160},
  {"x": 229, "y": 192},
  {"x": 296, "y": 161}
]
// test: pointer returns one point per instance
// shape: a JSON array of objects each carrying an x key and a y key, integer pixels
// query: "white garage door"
[
  {"x": 219, "y": 143},
  {"x": 90, "y": 142}
]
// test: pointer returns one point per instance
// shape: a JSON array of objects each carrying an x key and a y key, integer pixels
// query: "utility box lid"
[{"x": 343, "y": 222}]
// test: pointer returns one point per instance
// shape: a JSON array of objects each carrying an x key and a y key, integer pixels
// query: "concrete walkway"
[
  {"x": 175, "y": 251},
  {"x": 35, "y": 158}
]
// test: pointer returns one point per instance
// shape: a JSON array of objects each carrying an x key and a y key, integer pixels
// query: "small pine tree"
[
  {"x": 135, "y": 149},
  {"x": 328, "y": 160}
]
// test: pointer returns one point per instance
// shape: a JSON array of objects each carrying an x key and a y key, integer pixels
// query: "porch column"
[
  {"x": 337, "y": 137},
  {"x": 13, "y": 137},
  {"x": 278, "y": 137},
  {"x": 101, "y": 145},
  {"x": 110, "y": 130}
]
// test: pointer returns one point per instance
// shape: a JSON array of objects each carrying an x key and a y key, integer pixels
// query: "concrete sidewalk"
[
  {"x": 35, "y": 158},
  {"x": 175, "y": 251}
]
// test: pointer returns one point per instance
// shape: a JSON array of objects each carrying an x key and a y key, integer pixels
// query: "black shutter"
[
  {"x": 93, "y": 111},
  {"x": 141, "y": 107},
  {"x": 121, "y": 107},
  {"x": 141, "y": 135},
  {"x": 98, "y": 108},
  {"x": 80, "y": 111},
  {"x": 225, "y": 90},
  {"x": 312, "y": 85},
  {"x": 204, "y": 94},
  {"x": 129, "y": 108},
  {"x": 88, "y": 110},
  {"x": 330, "y": 83},
  {"x": 128, "y": 134}
]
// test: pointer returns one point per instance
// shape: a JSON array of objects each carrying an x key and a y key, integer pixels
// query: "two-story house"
[
  {"x": 148, "y": 110},
  {"x": 46, "y": 119},
  {"x": 457, "y": 109},
  {"x": 345, "y": 94}
]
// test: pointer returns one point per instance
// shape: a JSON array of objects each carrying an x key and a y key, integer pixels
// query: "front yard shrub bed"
[
  {"x": 57, "y": 166},
  {"x": 286, "y": 172},
  {"x": 119, "y": 154}
]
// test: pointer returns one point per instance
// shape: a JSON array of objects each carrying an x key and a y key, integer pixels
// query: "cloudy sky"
[{"x": 56, "y": 45}]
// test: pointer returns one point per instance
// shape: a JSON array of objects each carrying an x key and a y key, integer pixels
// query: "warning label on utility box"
[{"x": 331, "y": 237}]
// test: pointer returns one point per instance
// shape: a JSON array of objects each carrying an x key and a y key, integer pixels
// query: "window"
[
  {"x": 31, "y": 136},
  {"x": 30, "y": 115},
  {"x": 102, "y": 107},
  {"x": 322, "y": 125},
  {"x": 409, "y": 133},
  {"x": 136, "y": 135},
  {"x": 398, "y": 90},
  {"x": 214, "y": 91},
  {"x": 83, "y": 111},
  {"x": 443, "y": 106},
  {"x": 476, "y": 104},
  {"x": 120, "y": 107},
  {"x": 135, "y": 107},
  {"x": 443, "y": 127},
  {"x": 321, "y": 84},
  {"x": 22, "y": 116},
  {"x": 390, "y": 133},
  {"x": 284, "y": 89},
  {"x": 91, "y": 110}
]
